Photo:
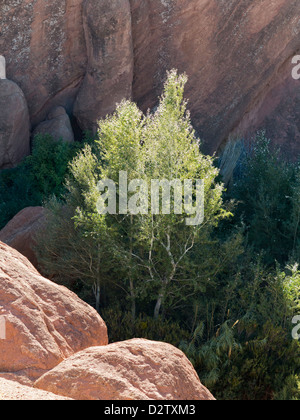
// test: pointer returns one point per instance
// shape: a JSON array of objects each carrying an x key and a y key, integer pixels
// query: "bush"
[{"x": 37, "y": 178}]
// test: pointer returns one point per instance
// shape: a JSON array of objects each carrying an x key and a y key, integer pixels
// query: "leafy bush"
[
  {"x": 267, "y": 190},
  {"x": 39, "y": 176},
  {"x": 153, "y": 253},
  {"x": 122, "y": 327}
]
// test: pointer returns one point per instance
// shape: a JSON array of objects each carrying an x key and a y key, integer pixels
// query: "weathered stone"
[
  {"x": 131, "y": 370},
  {"x": 13, "y": 391},
  {"x": 58, "y": 125},
  {"x": 237, "y": 55},
  {"x": 108, "y": 79},
  {"x": 45, "y": 51},
  {"x": 45, "y": 322},
  {"x": 2, "y": 67},
  {"x": 14, "y": 125},
  {"x": 20, "y": 232}
]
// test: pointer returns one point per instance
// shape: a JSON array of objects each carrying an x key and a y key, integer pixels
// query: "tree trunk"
[
  {"x": 133, "y": 304},
  {"x": 158, "y": 305}
]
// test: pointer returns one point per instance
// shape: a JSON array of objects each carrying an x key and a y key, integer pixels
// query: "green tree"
[{"x": 153, "y": 252}]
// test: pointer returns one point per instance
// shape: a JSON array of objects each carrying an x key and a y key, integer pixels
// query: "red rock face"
[
  {"x": 236, "y": 53},
  {"x": 132, "y": 370},
  {"x": 45, "y": 323},
  {"x": 14, "y": 125},
  {"x": 12, "y": 391},
  {"x": 45, "y": 51}
]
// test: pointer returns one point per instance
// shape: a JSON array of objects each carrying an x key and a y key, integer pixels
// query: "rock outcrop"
[
  {"x": 45, "y": 323},
  {"x": 20, "y": 232},
  {"x": 109, "y": 73},
  {"x": 14, "y": 125},
  {"x": 237, "y": 55},
  {"x": 131, "y": 370},
  {"x": 12, "y": 391},
  {"x": 86, "y": 55},
  {"x": 58, "y": 125}
]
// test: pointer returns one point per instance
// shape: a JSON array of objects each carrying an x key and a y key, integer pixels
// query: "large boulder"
[
  {"x": 12, "y": 391},
  {"x": 45, "y": 323},
  {"x": 58, "y": 125},
  {"x": 109, "y": 74},
  {"x": 14, "y": 125},
  {"x": 20, "y": 232},
  {"x": 131, "y": 370}
]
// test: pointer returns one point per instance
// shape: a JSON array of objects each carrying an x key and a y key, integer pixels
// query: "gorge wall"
[{"x": 86, "y": 55}]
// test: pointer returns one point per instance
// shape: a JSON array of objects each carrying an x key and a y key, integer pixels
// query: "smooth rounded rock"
[{"x": 131, "y": 370}]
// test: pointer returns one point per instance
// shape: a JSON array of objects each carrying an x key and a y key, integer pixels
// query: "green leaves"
[{"x": 41, "y": 175}]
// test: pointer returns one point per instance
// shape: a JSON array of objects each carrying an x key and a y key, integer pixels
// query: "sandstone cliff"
[{"x": 85, "y": 56}]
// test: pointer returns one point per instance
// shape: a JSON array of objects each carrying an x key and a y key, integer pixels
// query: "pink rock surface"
[
  {"x": 14, "y": 124},
  {"x": 132, "y": 370},
  {"x": 45, "y": 323},
  {"x": 12, "y": 391}
]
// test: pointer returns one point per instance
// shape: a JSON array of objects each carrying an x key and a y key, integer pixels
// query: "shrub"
[{"x": 39, "y": 176}]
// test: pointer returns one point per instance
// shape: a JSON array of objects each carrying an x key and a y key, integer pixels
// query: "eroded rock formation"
[
  {"x": 45, "y": 323},
  {"x": 20, "y": 232},
  {"x": 131, "y": 370},
  {"x": 58, "y": 124},
  {"x": 85, "y": 56},
  {"x": 14, "y": 124},
  {"x": 12, "y": 391},
  {"x": 57, "y": 343},
  {"x": 109, "y": 72}
]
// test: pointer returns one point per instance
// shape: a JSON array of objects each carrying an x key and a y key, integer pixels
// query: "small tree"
[{"x": 155, "y": 253}]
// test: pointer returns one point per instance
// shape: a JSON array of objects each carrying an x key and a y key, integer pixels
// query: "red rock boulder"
[
  {"x": 131, "y": 370},
  {"x": 44, "y": 323},
  {"x": 20, "y": 231}
]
